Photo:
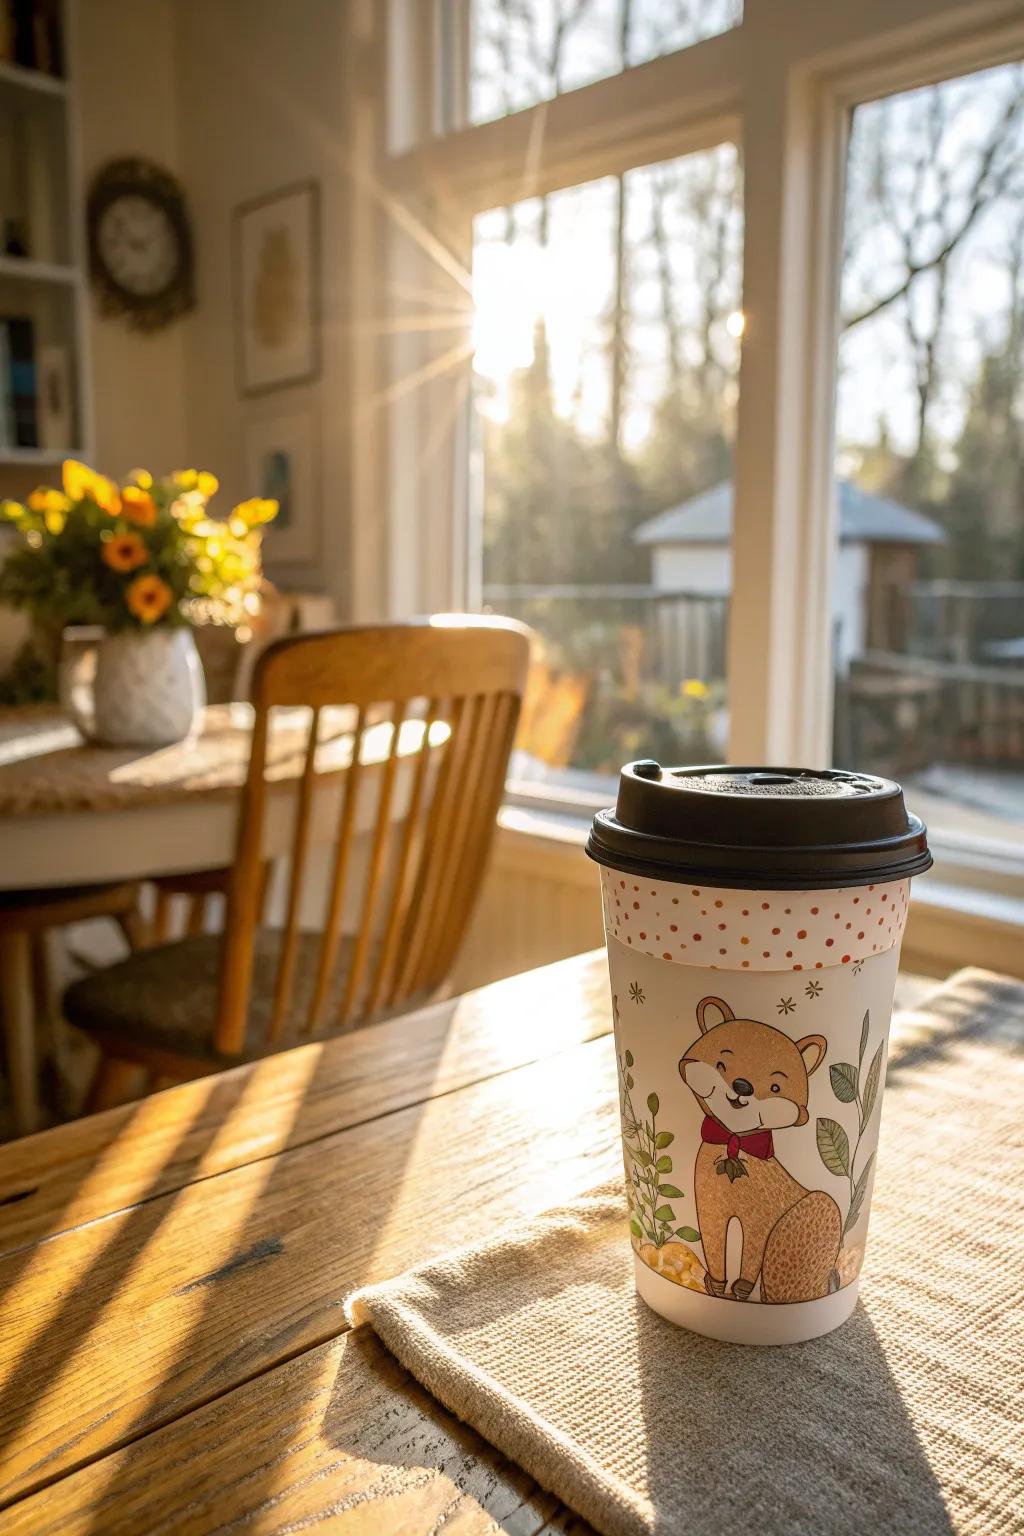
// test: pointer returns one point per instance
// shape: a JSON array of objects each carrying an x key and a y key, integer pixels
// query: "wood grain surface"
[
  {"x": 101, "y": 1164},
  {"x": 339, "y": 1438},
  {"x": 123, "y": 1323},
  {"x": 173, "y": 1355}
]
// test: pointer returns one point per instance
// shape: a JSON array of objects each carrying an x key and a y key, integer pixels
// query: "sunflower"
[
  {"x": 138, "y": 506},
  {"x": 83, "y": 484},
  {"x": 148, "y": 598},
  {"x": 124, "y": 552}
]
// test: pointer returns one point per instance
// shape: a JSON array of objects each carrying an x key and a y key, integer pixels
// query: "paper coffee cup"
[{"x": 753, "y": 919}]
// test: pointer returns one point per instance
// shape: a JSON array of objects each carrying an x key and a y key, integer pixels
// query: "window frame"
[{"x": 782, "y": 84}]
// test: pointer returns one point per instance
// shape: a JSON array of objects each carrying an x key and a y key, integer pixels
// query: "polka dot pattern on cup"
[{"x": 753, "y": 930}]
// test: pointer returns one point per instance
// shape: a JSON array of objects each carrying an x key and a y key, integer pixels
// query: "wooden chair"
[
  {"x": 27, "y": 994},
  {"x": 208, "y": 1001}
]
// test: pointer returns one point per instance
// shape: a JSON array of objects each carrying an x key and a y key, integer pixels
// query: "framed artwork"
[
  {"x": 279, "y": 462},
  {"x": 277, "y": 279}
]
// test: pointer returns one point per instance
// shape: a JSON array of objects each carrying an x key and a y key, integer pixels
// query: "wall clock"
[{"x": 140, "y": 244}]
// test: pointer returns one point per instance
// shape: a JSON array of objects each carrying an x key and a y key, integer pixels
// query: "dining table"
[
  {"x": 174, "y": 1354},
  {"x": 79, "y": 813}
]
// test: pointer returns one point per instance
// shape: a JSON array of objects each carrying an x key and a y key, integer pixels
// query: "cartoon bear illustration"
[{"x": 750, "y": 1080}]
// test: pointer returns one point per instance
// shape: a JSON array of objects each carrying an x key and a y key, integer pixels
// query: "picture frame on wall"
[
  {"x": 276, "y": 245},
  {"x": 280, "y": 463}
]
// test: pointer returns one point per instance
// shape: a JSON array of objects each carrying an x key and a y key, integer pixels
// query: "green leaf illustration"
[
  {"x": 629, "y": 1058},
  {"x": 688, "y": 1234},
  {"x": 843, "y": 1077},
  {"x": 871, "y": 1086},
  {"x": 664, "y": 1213},
  {"x": 643, "y": 1158},
  {"x": 860, "y": 1189},
  {"x": 636, "y": 1229},
  {"x": 664, "y": 1139},
  {"x": 833, "y": 1147},
  {"x": 864, "y": 1036},
  {"x": 653, "y": 1103},
  {"x": 670, "y": 1191},
  {"x": 664, "y": 1165}
]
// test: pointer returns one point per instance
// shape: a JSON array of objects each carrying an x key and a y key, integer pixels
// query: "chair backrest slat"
[
  {"x": 335, "y": 907},
  {"x": 436, "y": 843},
  {"x": 375, "y": 870},
  {"x": 399, "y": 900},
  {"x": 411, "y": 829},
  {"x": 300, "y": 847}
]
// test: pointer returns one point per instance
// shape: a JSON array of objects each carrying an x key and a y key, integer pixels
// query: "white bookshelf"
[{"x": 41, "y": 182}]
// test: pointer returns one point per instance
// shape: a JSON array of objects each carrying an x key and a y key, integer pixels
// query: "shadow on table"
[{"x": 981, "y": 1007}]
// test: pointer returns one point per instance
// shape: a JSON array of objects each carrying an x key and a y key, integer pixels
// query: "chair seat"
[{"x": 164, "y": 1000}]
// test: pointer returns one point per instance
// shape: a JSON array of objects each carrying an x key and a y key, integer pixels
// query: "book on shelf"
[
  {"x": 55, "y": 424},
  {"x": 18, "y": 383}
]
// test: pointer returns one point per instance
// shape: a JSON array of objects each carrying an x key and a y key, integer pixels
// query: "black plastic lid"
[{"x": 759, "y": 828}]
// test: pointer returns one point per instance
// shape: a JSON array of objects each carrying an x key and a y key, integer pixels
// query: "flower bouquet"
[{"x": 144, "y": 561}]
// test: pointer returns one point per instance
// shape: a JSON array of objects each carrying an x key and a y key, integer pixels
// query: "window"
[
  {"x": 527, "y": 51},
  {"x": 929, "y": 594},
  {"x": 607, "y": 322},
  {"x": 622, "y": 253}
]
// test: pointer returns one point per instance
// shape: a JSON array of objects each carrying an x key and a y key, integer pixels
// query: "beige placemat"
[{"x": 908, "y": 1419}]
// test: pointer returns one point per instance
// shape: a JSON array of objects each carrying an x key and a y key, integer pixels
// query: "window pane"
[
  {"x": 606, "y": 351},
  {"x": 929, "y": 603},
  {"x": 525, "y": 51}
]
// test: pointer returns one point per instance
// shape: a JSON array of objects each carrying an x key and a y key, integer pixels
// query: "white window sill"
[{"x": 969, "y": 911}]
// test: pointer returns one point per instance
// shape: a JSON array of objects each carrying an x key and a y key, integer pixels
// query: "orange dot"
[
  {"x": 721, "y": 951},
  {"x": 746, "y": 912},
  {"x": 643, "y": 935},
  {"x": 846, "y": 959},
  {"x": 817, "y": 965},
  {"x": 696, "y": 938},
  {"x": 829, "y": 943},
  {"x": 798, "y": 967},
  {"x": 776, "y": 930},
  {"x": 789, "y": 911},
  {"x": 814, "y": 911},
  {"x": 666, "y": 956},
  {"x": 721, "y": 927},
  {"x": 789, "y": 954},
  {"x": 745, "y": 964},
  {"x": 694, "y": 893},
  {"x": 674, "y": 927},
  {"x": 856, "y": 901},
  {"x": 801, "y": 933},
  {"x": 861, "y": 934},
  {"x": 718, "y": 903},
  {"x": 744, "y": 939},
  {"x": 765, "y": 906},
  {"x": 766, "y": 954},
  {"x": 636, "y": 906},
  {"x": 675, "y": 901}
]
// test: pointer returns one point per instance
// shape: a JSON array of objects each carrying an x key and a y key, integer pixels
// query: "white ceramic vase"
[{"x": 149, "y": 687}]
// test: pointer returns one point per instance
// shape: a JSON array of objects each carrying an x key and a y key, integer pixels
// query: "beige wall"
[
  {"x": 125, "y": 65},
  {"x": 238, "y": 98},
  {"x": 263, "y": 104}
]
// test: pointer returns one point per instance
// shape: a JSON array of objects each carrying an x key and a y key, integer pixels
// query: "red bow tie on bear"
[{"x": 757, "y": 1143}]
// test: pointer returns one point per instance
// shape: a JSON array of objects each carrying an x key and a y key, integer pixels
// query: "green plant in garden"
[
  {"x": 833, "y": 1142},
  {"x": 647, "y": 1163}
]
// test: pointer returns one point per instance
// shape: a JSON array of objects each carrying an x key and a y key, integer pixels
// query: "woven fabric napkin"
[{"x": 909, "y": 1418}]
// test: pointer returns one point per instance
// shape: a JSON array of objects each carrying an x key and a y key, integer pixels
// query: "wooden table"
[{"x": 174, "y": 1356}]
